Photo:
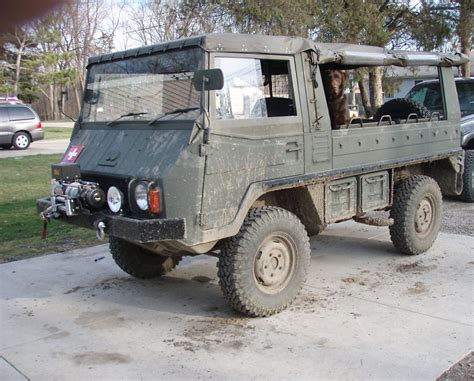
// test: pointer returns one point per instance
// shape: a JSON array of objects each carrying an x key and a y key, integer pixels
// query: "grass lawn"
[
  {"x": 23, "y": 180},
  {"x": 57, "y": 133}
]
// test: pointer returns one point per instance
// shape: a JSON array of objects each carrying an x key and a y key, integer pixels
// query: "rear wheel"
[
  {"x": 21, "y": 140},
  {"x": 262, "y": 269},
  {"x": 417, "y": 212},
  {"x": 139, "y": 262},
  {"x": 468, "y": 177}
]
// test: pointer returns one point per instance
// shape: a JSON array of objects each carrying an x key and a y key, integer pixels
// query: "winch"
[{"x": 69, "y": 194}]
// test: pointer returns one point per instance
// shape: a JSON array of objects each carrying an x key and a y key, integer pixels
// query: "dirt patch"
[
  {"x": 418, "y": 288},
  {"x": 356, "y": 280},
  {"x": 113, "y": 282},
  {"x": 214, "y": 334},
  {"x": 99, "y": 358},
  {"x": 100, "y": 320},
  {"x": 73, "y": 290},
  {"x": 462, "y": 370},
  {"x": 414, "y": 267}
]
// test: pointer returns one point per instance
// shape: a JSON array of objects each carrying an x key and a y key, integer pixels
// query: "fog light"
[{"x": 114, "y": 199}]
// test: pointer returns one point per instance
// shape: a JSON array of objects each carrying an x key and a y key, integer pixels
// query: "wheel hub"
[
  {"x": 424, "y": 216},
  {"x": 274, "y": 263},
  {"x": 22, "y": 141}
]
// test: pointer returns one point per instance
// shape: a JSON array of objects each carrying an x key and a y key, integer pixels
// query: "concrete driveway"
[
  {"x": 41, "y": 147},
  {"x": 365, "y": 312}
]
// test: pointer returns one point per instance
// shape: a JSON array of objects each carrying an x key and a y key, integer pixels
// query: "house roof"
[{"x": 326, "y": 53}]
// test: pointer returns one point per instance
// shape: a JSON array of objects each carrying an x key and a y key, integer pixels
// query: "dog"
[{"x": 334, "y": 82}]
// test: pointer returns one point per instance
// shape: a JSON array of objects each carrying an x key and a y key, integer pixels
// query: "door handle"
[{"x": 297, "y": 148}]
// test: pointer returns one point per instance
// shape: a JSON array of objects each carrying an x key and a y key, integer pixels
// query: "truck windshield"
[{"x": 143, "y": 88}]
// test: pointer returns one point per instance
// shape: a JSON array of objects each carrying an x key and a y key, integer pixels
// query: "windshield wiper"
[
  {"x": 125, "y": 115},
  {"x": 176, "y": 111}
]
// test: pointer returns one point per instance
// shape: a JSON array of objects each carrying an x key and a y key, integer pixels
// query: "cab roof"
[{"x": 338, "y": 54}]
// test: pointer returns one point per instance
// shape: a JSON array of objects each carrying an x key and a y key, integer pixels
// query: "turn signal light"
[{"x": 154, "y": 202}]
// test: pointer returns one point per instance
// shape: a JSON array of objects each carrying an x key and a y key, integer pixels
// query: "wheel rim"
[
  {"x": 424, "y": 216},
  {"x": 22, "y": 141},
  {"x": 275, "y": 263}
]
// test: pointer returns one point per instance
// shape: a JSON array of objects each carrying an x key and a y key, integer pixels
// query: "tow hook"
[{"x": 100, "y": 232}]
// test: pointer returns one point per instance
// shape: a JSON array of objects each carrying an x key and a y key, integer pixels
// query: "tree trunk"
[
  {"x": 465, "y": 27},
  {"x": 375, "y": 86},
  {"x": 365, "y": 99},
  {"x": 51, "y": 102},
  {"x": 18, "y": 68}
]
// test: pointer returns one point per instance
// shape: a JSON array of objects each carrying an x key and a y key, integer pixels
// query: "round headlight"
[
  {"x": 114, "y": 199},
  {"x": 141, "y": 195}
]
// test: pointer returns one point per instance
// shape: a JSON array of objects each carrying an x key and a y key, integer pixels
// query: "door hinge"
[{"x": 204, "y": 149}]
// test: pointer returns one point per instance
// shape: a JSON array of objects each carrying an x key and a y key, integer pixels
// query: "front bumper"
[{"x": 132, "y": 229}]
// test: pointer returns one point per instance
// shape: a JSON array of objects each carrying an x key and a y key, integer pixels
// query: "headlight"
[
  {"x": 114, "y": 199},
  {"x": 141, "y": 195}
]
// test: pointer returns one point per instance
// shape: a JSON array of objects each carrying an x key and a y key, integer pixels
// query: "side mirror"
[
  {"x": 91, "y": 97},
  {"x": 212, "y": 79}
]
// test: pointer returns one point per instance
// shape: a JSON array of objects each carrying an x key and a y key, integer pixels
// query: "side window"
[
  {"x": 3, "y": 114},
  {"x": 466, "y": 97},
  {"x": 254, "y": 88},
  {"x": 20, "y": 113}
]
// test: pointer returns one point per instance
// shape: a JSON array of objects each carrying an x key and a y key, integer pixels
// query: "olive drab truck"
[{"x": 223, "y": 144}]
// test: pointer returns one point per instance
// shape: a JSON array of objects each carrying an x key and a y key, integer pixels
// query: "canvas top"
[{"x": 339, "y": 54}]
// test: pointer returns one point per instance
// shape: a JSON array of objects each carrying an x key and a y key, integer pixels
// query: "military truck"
[{"x": 222, "y": 144}]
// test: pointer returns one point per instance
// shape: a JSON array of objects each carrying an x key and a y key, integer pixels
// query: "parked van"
[{"x": 19, "y": 126}]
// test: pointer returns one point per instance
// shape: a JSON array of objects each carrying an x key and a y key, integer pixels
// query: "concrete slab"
[
  {"x": 365, "y": 312},
  {"x": 41, "y": 147}
]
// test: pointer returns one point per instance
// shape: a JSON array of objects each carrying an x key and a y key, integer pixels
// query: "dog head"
[{"x": 334, "y": 82}]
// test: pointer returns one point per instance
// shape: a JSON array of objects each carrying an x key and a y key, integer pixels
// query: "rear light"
[
  {"x": 39, "y": 126},
  {"x": 154, "y": 202}
]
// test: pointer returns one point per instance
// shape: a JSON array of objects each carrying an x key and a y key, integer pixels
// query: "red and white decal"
[{"x": 73, "y": 153}]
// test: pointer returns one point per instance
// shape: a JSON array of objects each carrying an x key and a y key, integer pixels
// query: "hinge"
[
  {"x": 203, "y": 150},
  {"x": 201, "y": 219}
]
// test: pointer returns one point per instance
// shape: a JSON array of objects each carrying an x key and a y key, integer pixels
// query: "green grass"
[
  {"x": 22, "y": 181},
  {"x": 57, "y": 133}
]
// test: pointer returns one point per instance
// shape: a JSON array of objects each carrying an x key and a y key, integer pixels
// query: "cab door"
[
  {"x": 256, "y": 131},
  {"x": 317, "y": 134}
]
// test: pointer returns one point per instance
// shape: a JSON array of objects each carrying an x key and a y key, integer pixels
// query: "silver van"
[{"x": 19, "y": 126}]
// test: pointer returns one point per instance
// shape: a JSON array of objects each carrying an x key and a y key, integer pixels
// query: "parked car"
[
  {"x": 428, "y": 93},
  {"x": 19, "y": 126}
]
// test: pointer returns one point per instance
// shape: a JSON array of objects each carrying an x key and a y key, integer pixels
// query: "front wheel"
[
  {"x": 263, "y": 268},
  {"x": 139, "y": 262},
  {"x": 417, "y": 212},
  {"x": 21, "y": 140},
  {"x": 468, "y": 177}
]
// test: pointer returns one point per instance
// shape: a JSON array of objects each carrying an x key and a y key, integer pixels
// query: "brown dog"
[{"x": 334, "y": 82}]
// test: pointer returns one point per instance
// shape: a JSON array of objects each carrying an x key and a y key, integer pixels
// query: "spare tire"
[{"x": 400, "y": 108}]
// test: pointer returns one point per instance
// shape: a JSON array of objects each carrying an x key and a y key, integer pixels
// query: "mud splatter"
[
  {"x": 418, "y": 288},
  {"x": 100, "y": 358},
  {"x": 214, "y": 334},
  {"x": 100, "y": 320},
  {"x": 414, "y": 267}
]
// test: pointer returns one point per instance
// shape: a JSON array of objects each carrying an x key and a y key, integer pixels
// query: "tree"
[{"x": 464, "y": 30}]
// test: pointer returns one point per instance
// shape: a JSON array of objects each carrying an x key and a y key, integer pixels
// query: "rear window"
[{"x": 20, "y": 113}]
